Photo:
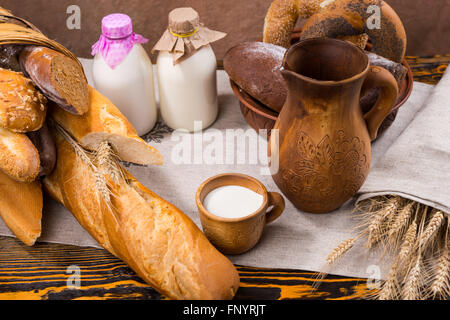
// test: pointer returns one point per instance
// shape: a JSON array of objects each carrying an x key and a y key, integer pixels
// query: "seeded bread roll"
[
  {"x": 22, "y": 106},
  {"x": 351, "y": 17},
  {"x": 19, "y": 158},
  {"x": 59, "y": 77},
  {"x": 255, "y": 67}
]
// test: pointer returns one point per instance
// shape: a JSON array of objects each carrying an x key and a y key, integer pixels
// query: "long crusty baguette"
[
  {"x": 19, "y": 158},
  {"x": 21, "y": 208},
  {"x": 104, "y": 122},
  {"x": 59, "y": 77},
  {"x": 159, "y": 242}
]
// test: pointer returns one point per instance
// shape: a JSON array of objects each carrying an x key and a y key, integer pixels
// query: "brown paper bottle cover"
[{"x": 185, "y": 34}]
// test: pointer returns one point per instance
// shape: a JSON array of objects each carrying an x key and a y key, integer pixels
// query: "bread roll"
[
  {"x": 21, "y": 208},
  {"x": 104, "y": 122},
  {"x": 281, "y": 18},
  {"x": 59, "y": 77},
  {"x": 19, "y": 158},
  {"x": 22, "y": 107},
  {"x": 350, "y": 17},
  {"x": 255, "y": 67},
  {"x": 160, "y": 243}
]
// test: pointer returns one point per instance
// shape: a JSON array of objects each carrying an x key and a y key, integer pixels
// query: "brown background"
[{"x": 427, "y": 22}]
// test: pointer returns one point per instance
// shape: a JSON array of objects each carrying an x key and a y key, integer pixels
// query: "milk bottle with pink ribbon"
[{"x": 123, "y": 72}]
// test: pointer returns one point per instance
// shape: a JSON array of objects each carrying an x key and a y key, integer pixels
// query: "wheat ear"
[
  {"x": 400, "y": 223},
  {"x": 411, "y": 288},
  {"x": 340, "y": 250},
  {"x": 376, "y": 225},
  {"x": 432, "y": 229},
  {"x": 408, "y": 242},
  {"x": 440, "y": 287},
  {"x": 390, "y": 289}
]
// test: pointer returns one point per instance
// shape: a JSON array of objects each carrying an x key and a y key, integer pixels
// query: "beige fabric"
[
  {"x": 296, "y": 240},
  {"x": 417, "y": 165}
]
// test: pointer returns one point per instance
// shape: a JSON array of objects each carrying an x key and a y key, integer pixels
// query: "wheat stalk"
[
  {"x": 340, "y": 250},
  {"x": 376, "y": 225},
  {"x": 432, "y": 229},
  {"x": 390, "y": 289},
  {"x": 401, "y": 222},
  {"x": 411, "y": 288},
  {"x": 408, "y": 242},
  {"x": 440, "y": 286},
  {"x": 104, "y": 163}
]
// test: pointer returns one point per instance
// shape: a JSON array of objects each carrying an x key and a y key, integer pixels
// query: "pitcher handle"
[{"x": 379, "y": 77}]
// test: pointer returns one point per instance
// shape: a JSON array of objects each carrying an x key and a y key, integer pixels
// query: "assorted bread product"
[
  {"x": 45, "y": 145},
  {"x": 104, "y": 122},
  {"x": 19, "y": 158},
  {"x": 282, "y": 17},
  {"x": 76, "y": 158},
  {"x": 59, "y": 133},
  {"x": 255, "y": 67},
  {"x": 59, "y": 77},
  {"x": 22, "y": 107},
  {"x": 21, "y": 208},
  {"x": 152, "y": 236},
  {"x": 350, "y": 17}
]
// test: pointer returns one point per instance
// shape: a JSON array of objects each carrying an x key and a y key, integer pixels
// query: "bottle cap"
[{"x": 117, "y": 26}]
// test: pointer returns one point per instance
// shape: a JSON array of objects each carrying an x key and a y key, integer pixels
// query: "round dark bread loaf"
[
  {"x": 255, "y": 67},
  {"x": 350, "y": 17}
]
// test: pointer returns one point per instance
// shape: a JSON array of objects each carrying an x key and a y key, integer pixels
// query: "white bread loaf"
[
  {"x": 19, "y": 158},
  {"x": 104, "y": 122},
  {"x": 21, "y": 208},
  {"x": 160, "y": 243}
]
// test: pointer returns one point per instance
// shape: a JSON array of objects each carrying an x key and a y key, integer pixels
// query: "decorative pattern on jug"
[{"x": 327, "y": 173}]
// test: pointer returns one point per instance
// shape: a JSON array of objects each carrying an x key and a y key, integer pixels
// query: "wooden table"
[{"x": 40, "y": 272}]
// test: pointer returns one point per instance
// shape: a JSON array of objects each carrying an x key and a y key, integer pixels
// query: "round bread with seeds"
[{"x": 22, "y": 107}]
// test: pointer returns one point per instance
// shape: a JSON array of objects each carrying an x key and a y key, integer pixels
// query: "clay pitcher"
[{"x": 324, "y": 148}]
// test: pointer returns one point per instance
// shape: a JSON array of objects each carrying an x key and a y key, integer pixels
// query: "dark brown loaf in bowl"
[{"x": 255, "y": 67}]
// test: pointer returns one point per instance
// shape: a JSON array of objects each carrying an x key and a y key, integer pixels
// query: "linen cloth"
[
  {"x": 417, "y": 165},
  {"x": 296, "y": 240}
]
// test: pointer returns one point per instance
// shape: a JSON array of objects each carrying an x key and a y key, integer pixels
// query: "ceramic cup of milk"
[{"x": 234, "y": 209}]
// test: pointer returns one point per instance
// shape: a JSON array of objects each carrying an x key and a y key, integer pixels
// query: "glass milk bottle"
[
  {"x": 186, "y": 67},
  {"x": 123, "y": 72}
]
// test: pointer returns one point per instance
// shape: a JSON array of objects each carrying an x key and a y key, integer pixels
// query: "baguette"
[
  {"x": 60, "y": 78},
  {"x": 21, "y": 208},
  {"x": 19, "y": 158},
  {"x": 104, "y": 122},
  {"x": 22, "y": 106},
  {"x": 160, "y": 243}
]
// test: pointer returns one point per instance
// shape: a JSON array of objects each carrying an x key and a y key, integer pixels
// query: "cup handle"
[
  {"x": 277, "y": 201},
  {"x": 379, "y": 77}
]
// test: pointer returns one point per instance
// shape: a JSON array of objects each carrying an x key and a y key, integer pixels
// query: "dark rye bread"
[
  {"x": 59, "y": 77},
  {"x": 255, "y": 67}
]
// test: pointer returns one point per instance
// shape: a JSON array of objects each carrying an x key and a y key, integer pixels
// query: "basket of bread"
[
  {"x": 59, "y": 135},
  {"x": 254, "y": 67}
]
